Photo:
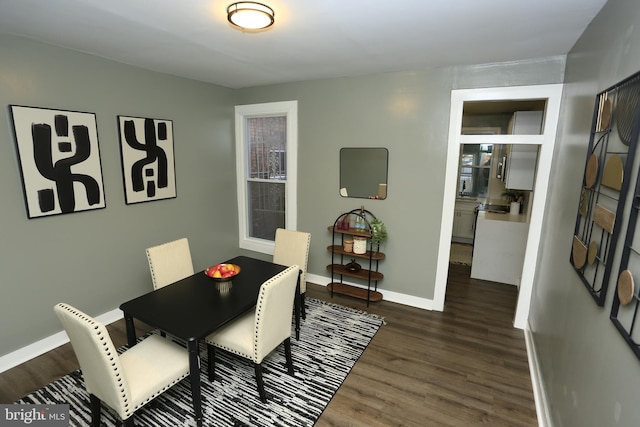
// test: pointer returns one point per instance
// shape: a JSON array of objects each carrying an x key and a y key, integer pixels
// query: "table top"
[{"x": 192, "y": 308}]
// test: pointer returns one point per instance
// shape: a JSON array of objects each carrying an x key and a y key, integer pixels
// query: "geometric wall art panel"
[
  {"x": 606, "y": 183},
  {"x": 59, "y": 160},
  {"x": 148, "y": 168},
  {"x": 626, "y": 300}
]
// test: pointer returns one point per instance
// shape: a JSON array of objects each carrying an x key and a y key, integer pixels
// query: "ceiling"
[{"x": 311, "y": 39}]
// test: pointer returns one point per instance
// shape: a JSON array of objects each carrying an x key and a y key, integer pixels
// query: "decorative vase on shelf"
[
  {"x": 353, "y": 266},
  {"x": 359, "y": 245},
  {"x": 514, "y": 208}
]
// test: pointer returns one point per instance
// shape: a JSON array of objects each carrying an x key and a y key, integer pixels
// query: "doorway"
[{"x": 546, "y": 141}]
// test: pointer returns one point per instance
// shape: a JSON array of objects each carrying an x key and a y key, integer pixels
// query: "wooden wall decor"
[
  {"x": 610, "y": 156},
  {"x": 626, "y": 300}
]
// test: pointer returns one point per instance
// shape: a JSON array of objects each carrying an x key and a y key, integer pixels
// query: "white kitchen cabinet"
[
  {"x": 521, "y": 167},
  {"x": 526, "y": 123},
  {"x": 463, "y": 222},
  {"x": 521, "y": 159}
]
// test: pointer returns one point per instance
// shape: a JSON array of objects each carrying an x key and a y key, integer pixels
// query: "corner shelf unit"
[{"x": 339, "y": 269}]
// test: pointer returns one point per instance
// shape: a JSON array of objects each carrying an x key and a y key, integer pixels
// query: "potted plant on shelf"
[
  {"x": 378, "y": 234},
  {"x": 514, "y": 198}
]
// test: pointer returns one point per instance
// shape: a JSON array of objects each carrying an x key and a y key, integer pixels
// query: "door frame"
[{"x": 553, "y": 94}]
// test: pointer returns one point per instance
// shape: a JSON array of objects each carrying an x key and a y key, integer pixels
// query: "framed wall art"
[
  {"x": 148, "y": 168},
  {"x": 626, "y": 300},
  {"x": 59, "y": 160},
  {"x": 606, "y": 182}
]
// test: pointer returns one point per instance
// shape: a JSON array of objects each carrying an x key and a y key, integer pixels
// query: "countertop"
[
  {"x": 499, "y": 247},
  {"x": 503, "y": 217}
]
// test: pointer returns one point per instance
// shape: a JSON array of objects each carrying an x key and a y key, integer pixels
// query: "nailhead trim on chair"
[
  {"x": 154, "y": 279},
  {"x": 107, "y": 347},
  {"x": 257, "y": 327},
  {"x": 259, "y": 303},
  {"x": 116, "y": 372},
  {"x": 129, "y": 411},
  {"x": 153, "y": 273},
  {"x": 306, "y": 261}
]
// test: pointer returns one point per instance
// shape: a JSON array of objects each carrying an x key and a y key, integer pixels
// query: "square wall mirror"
[{"x": 363, "y": 172}]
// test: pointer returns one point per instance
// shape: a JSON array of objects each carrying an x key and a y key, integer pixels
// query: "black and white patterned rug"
[{"x": 332, "y": 339}]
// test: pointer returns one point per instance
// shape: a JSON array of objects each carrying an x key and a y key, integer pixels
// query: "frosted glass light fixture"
[{"x": 249, "y": 15}]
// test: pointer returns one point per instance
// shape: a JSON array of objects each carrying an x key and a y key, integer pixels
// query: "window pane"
[
  {"x": 475, "y": 168},
  {"x": 468, "y": 159},
  {"x": 266, "y": 209},
  {"x": 267, "y": 138}
]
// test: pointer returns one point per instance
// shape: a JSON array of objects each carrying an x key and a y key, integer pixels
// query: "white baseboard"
[
  {"x": 24, "y": 354},
  {"x": 38, "y": 348},
  {"x": 539, "y": 394},
  {"x": 423, "y": 303}
]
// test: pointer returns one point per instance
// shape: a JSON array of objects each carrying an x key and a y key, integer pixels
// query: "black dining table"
[{"x": 192, "y": 308}]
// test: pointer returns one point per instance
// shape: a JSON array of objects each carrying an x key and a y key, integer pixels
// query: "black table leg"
[
  {"x": 296, "y": 305},
  {"x": 131, "y": 330},
  {"x": 194, "y": 377}
]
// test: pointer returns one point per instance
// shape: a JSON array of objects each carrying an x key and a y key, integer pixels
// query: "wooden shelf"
[
  {"x": 355, "y": 292},
  {"x": 351, "y": 231},
  {"x": 360, "y": 274},
  {"x": 369, "y": 259},
  {"x": 339, "y": 250}
]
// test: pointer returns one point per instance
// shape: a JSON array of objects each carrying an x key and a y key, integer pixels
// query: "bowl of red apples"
[{"x": 222, "y": 272}]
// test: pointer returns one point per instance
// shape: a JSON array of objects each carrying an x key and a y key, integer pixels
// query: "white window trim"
[{"x": 242, "y": 112}]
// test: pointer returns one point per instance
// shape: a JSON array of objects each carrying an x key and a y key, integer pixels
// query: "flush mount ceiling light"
[{"x": 250, "y": 15}]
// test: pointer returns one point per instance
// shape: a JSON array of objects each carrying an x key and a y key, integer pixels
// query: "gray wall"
[
  {"x": 590, "y": 374},
  {"x": 96, "y": 259},
  {"x": 409, "y": 114}
]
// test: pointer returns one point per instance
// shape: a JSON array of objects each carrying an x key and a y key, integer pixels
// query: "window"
[
  {"x": 475, "y": 168},
  {"x": 266, "y": 168}
]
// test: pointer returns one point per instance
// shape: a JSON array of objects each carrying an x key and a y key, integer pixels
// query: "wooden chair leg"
[
  {"x": 287, "y": 354},
  {"x": 129, "y": 422},
  {"x": 302, "y": 306},
  {"x": 258, "y": 369},
  {"x": 211, "y": 357},
  {"x": 95, "y": 406}
]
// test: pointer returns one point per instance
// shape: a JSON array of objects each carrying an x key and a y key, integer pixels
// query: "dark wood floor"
[{"x": 466, "y": 366}]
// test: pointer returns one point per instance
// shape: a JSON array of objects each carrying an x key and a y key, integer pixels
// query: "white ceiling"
[{"x": 311, "y": 39}]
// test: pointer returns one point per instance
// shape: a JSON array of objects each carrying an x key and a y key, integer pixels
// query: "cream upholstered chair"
[
  {"x": 169, "y": 262},
  {"x": 258, "y": 332},
  {"x": 292, "y": 248},
  {"x": 127, "y": 382}
]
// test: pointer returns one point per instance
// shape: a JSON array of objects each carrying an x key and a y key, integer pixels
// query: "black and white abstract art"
[
  {"x": 148, "y": 167},
  {"x": 59, "y": 160}
]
